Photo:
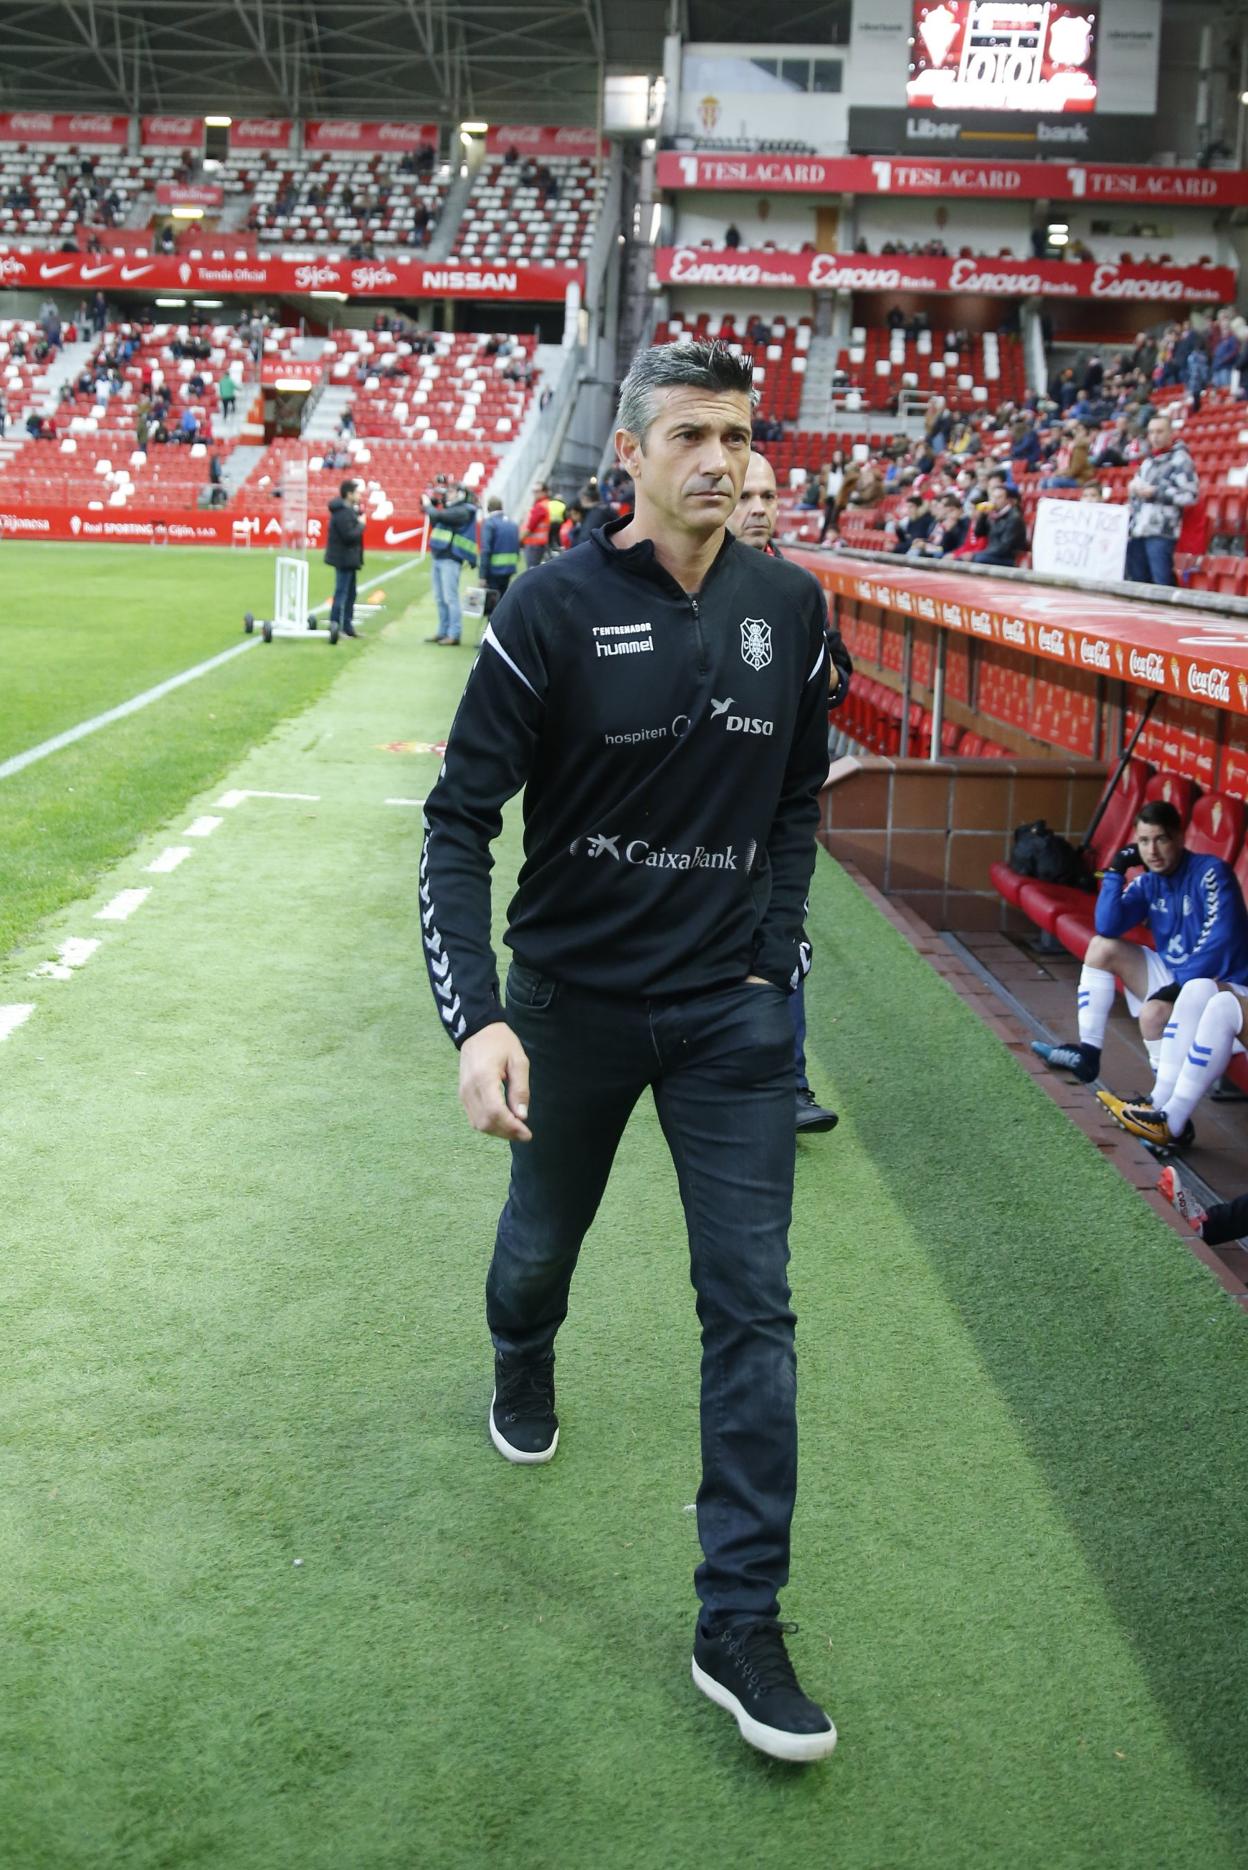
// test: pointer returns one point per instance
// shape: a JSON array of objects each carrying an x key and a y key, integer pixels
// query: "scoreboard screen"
[{"x": 1037, "y": 56}]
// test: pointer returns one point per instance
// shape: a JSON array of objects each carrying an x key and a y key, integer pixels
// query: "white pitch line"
[
  {"x": 202, "y": 827},
  {"x": 169, "y": 859},
  {"x": 122, "y": 906},
  {"x": 71, "y": 954},
  {"x": 21, "y": 760},
  {"x": 229, "y": 800},
  {"x": 11, "y": 1017},
  {"x": 310, "y": 798},
  {"x": 404, "y": 801}
]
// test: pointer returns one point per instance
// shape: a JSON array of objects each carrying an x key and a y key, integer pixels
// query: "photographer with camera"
[{"x": 452, "y": 545}]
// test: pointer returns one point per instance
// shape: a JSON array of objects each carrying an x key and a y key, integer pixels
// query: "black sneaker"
[
  {"x": 812, "y": 1118},
  {"x": 349, "y": 629},
  {"x": 1083, "y": 1060},
  {"x": 523, "y": 1423},
  {"x": 746, "y": 1669}
]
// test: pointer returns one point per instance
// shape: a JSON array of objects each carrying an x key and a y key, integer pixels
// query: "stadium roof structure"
[{"x": 504, "y": 60}]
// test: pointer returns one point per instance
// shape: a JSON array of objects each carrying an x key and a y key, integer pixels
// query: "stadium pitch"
[{"x": 270, "y": 1597}]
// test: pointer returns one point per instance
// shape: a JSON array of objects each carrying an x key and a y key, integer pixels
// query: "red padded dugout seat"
[
  {"x": 1175, "y": 790},
  {"x": 1217, "y": 826},
  {"x": 1111, "y": 835}
]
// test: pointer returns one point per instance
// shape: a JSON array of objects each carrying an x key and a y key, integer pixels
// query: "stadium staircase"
[
  {"x": 322, "y": 425},
  {"x": 70, "y": 360},
  {"x": 813, "y": 410},
  {"x": 450, "y": 220},
  {"x": 238, "y": 464}
]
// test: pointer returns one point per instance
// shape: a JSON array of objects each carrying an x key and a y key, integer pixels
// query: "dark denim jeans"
[
  {"x": 797, "y": 1010},
  {"x": 1150, "y": 561},
  {"x": 343, "y": 606},
  {"x": 720, "y": 1068}
]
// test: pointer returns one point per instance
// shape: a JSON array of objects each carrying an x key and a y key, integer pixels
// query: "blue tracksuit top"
[{"x": 1197, "y": 917}]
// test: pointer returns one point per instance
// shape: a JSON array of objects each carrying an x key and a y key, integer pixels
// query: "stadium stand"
[
  {"x": 325, "y": 199},
  {"x": 515, "y": 213}
]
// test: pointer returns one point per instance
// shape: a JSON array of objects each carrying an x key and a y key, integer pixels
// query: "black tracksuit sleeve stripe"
[
  {"x": 782, "y": 953},
  {"x": 489, "y": 756}
]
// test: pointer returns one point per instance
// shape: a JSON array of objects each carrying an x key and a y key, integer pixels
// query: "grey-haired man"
[{"x": 660, "y": 693}]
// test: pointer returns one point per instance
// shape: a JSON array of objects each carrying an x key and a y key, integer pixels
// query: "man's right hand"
[
  {"x": 491, "y": 1060},
  {"x": 1127, "y": 859}
]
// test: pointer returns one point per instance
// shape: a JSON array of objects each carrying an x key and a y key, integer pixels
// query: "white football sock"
[
  {"x": 1208, "y": 1057},
  {"x": 1153, "y": 1048},
  {"x": 1177, "y": 1038},
  {"x": 1096, "y": 999}
]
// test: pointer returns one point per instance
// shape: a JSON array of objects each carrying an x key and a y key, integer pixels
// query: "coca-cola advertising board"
[
  {"x": 1001, "y": 278},
  {"x": 260, "y": 133},
  {"x": 367, "y": 136},
  {"x": 1185, "y": 652},
  {"x": 171, "y": 132},
  {"x": 83, "y": 128},
  {"x": 190, "y": 194},
  {"x": 395, "y": 279},
  {"x": 1032, "y": 56},
  {"x": 542, "y": 139},
  {"x": 943, "y": 176}
]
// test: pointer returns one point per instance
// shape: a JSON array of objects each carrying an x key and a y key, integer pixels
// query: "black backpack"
[{"x": 1040, "y": 852}]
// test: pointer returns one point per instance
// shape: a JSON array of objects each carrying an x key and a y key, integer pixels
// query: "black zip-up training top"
[{"x": 671, "y": 750}]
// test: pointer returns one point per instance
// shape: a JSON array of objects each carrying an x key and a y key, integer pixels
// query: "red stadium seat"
[
  {"x": 1175, "y": 790},
  {"x": 1217, "y": 826}
]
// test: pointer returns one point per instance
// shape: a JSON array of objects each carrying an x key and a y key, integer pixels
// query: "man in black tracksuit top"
[
  {"x": 344, "y": 550},
  {"x": 660, "y": 693}
]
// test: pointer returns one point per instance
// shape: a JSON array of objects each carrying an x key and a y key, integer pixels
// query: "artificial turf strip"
[
  {"x": 244, "y": 1318},
  {"x": 83, "y": 628}
]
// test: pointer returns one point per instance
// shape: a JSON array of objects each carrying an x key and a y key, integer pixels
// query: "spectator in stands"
[
  {"x": 1025, "y": 443},
  {"x": 1074, "y": 463},
  {"x": 344, "y": 550},
  {"x": 4, "y": 415},
  {"x": 227, "y": 391},
  {"x": 1164, "y": 487},
  {"x": 915, "y": 525},
  {"x": 1225, "y": 353},
  {"x": 452, "y": 545},
  {"x": 1196, "y": 375},
  {"x": 1001, "y": 528},
  {"x": 500, "y": 548},
  {"x": 949, "y": 529},
  {"x": 142, "y": 424},
  {"x": 536, "y": 535},
  {"x": 346, "y": 421},
  {"x": 99, "y": 313},
  {"x": 188, "y": 427},
  {"x": 868, "y": 486},
  {"x": 167, "y": 240},
  {"x": 811, "y": 493},
  {"x": 1199, "y": 968}
]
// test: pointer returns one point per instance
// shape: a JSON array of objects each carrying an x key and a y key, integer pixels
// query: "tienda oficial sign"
[{"x": 400, "y": 277}]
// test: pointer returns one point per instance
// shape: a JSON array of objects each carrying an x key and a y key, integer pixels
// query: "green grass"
[
  {"x": 84, "y": 628},
  {"x": 244, "y": 1326}
]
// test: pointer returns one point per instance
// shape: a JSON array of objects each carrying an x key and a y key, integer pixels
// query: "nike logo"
[
  {"x": 96, "y": 272},
  {"x": 719, "y": 707},
  {"x": 131, "y": 272},
  {"x": 54, "y": 272},
  {"x": 401, "y": 538}
]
